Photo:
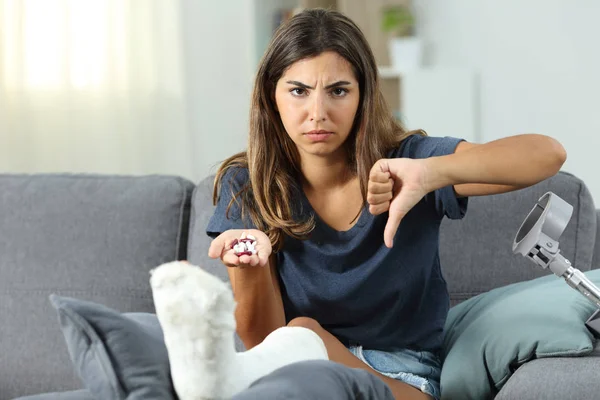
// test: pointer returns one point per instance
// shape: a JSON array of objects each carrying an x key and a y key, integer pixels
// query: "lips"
[{"x": 318, "y": 135}]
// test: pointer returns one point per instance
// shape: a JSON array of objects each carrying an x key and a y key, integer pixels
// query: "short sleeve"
[
  {"x": 418, "y": 146},
  {"x": 231, "y": 183}
]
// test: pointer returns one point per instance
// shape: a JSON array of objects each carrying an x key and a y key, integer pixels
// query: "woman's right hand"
[{"x": 221, "y": 248}]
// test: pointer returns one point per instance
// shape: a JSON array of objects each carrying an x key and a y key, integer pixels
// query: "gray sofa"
[{"x": 96, "y": 238}]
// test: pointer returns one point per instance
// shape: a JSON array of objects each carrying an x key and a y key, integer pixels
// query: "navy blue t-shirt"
[{"x": 350, "y": 282}]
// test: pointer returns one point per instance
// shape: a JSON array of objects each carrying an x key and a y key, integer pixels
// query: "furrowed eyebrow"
[{"x": 305, "y": 86}]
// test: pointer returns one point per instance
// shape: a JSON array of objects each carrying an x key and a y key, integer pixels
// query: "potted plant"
[{"x": 405, "y": 49}]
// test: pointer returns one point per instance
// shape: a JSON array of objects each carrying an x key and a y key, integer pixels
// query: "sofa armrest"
[
  {"x": 555, "y": 379},
  {"x": 596, "y": 259}
]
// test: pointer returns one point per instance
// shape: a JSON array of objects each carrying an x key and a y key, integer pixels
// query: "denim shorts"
[{"x": 420, "y": 369}]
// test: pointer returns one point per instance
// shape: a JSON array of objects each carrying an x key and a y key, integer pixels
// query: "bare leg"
[{"x": 339, "y": 353}]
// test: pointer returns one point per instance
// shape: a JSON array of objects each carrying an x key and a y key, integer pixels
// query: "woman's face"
[{"x": 317, "y": 99}]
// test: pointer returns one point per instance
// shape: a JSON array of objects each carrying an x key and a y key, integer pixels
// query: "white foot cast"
[{"x": 196, "y": 312}]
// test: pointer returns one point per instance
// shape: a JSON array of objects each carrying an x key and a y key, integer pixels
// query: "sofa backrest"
[
  {"x": 476, "y": 252},
  {"x": 199, "y": 242},
  {"x": 596, "y": 259},
  {"x": 89, "y": 237}
]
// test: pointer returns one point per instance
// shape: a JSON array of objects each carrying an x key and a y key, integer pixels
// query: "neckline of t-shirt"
[{"x": 322, "y": 225}]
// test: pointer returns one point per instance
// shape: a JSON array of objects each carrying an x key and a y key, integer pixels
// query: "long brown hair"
[{"x": 272, "y": 158}]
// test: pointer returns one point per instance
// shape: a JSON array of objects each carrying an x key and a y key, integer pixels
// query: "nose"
[{"x": 318, "y": 110}]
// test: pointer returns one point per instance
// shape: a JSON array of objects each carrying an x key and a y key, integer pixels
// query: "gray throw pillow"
[{"x": 118, "y": 356}]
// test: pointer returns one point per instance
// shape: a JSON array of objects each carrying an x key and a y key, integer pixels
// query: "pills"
[{"x": 245, "y": 246}]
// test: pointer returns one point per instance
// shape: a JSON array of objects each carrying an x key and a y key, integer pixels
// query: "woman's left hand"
[{"x": 396, "y": 185}]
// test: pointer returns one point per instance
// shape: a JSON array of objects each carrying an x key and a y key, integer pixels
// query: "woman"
[{"x": 345, "y": 206}]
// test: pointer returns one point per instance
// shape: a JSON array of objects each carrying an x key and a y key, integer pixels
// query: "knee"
[{"x": 305, "y": 322}]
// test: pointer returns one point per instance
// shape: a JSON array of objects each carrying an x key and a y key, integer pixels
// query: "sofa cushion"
[
  {"x": 85, "y": 236},
  {"x": 202, "y": 211},
  {"x": 559, "y": 378},
  {"x": 487, "y": 337},
  {"x": 71, "y": 395},
  {"x": 476, "y": 252},
  {"x": 118, "y": 356}
]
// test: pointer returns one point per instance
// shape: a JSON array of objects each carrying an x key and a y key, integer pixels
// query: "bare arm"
[
  {"x": 259, "y": 308},
  {"x": 255, "y": 285},
  {"x": 515, "y": 162},
  {"x": 499, "y": 166}
]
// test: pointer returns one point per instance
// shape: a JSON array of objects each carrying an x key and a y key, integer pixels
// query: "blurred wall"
[
  {"x": 537, "y": 60},
  {"x": 264, "y": 19},
  {"x": 220, "y": 58},
  {"x": 539, "y": 63}
]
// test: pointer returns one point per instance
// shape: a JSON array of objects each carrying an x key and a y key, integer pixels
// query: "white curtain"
[{"x": 93, "y": 86}]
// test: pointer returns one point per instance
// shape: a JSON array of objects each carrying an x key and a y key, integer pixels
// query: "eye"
[
  {"x": 298, "y": 91},
  {"x": 339, "y": 92}
]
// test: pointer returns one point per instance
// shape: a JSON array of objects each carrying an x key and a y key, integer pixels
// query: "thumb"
[
  {"x": 216, "y": 247},
  {"x": 391, "y": 227},
  {"x": 395, "y": 216}
]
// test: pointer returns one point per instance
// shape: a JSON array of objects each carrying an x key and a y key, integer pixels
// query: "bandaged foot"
[{"x": 196, "y": 312}]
